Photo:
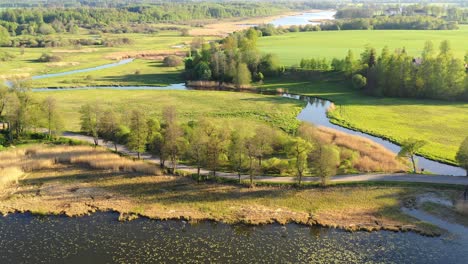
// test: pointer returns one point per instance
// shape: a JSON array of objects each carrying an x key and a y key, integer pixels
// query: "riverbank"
[{"x": 74, "y": 186}]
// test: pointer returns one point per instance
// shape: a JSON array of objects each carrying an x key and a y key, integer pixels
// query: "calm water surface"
[
  {"x": 100, "y": 238},
  {"x": 304, "y": 18}
]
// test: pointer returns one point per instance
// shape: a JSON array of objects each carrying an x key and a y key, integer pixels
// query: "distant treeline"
[
  {"x": 377, "y": 23},
  {"x": 122, "y": 16},
  {"x": 49, "y": 20},
  {"x": 435, "y": 75},
  {"x": 448, "y": 13}
]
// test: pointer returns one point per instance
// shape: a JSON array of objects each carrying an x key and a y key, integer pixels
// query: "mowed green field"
[
  {"x": 292, "y": 47},
  {"x": 444, "y": 125},
  {"x": 246, "y": 110}
]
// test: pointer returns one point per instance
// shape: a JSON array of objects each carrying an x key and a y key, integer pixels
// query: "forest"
[
  {"x": 435, "y": 75},
  {"x": 235, "y": 59}
]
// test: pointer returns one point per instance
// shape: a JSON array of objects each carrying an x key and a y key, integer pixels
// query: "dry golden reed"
[
  {"x": 372, "y": 156},
  {"x": 15, "y": 163}
]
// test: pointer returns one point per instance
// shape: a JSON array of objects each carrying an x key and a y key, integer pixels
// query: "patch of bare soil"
[{"x": 63, "y": 64}]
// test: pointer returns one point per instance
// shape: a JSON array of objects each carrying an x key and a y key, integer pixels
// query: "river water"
[
  {"x": 306, "y": 18},
  {"x": 100, "y": 238},
  {"x": 315, "y": 112}
]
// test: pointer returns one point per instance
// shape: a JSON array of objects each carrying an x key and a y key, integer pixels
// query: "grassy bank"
[
  {"x": 74, "y": 184},
  {"x": 236, "y": 109},
  {"x": 393, "y": 118},
  {"x": 292, "y": 47}
]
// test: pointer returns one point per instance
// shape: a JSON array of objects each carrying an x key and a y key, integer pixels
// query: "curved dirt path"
[{"x": 399, "y": 177}]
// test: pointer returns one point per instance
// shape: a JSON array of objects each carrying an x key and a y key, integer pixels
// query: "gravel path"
[{"x": 439, "y": 179}]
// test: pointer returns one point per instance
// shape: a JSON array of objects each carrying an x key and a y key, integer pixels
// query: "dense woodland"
[
  {"x": 235, "y": 60},
  {"x": 436, "y": 74}
]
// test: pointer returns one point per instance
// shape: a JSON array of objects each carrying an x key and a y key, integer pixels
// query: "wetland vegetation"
[{"x": 194, "y": 164}]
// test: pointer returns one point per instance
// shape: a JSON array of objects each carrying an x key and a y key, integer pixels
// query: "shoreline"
[{"x": 309, "y": 222}]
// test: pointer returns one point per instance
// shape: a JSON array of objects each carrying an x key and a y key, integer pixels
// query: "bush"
[
  {"x": 6, "y": 56},
  {"x": 359, "y": 81},
  {"x": 173, "y": 61},
  {"x": 49, "y": 58}
]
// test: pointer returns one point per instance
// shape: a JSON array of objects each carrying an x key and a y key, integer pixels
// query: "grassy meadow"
[
  {"x": 292, "y": 47},
  {"x": 393, "y": 118},
  {"x": 243, "y": 109},
  {"x": 88, "y": 56}
]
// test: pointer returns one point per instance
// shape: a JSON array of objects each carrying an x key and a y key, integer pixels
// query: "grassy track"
[
  {"x": 292, "y": 47},
  {"x": 243, "y": 109},
  {"x": 394, "y": 118}
]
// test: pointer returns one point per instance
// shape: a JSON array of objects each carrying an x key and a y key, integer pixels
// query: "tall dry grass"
[
  {"x": 15, "y": 163},
  {"x": 372, "y": 156}
]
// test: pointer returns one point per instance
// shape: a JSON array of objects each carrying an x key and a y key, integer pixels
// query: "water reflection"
[{"x": 100, "y": 238}]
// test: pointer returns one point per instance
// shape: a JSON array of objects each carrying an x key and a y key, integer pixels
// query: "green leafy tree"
[
  {"x": 236, "y": 152},
  {"x": 139, "y": 132},
  {"x": 90, "y": 115},
  {"x": 299, "y": 150},
  {"x": 243, "y": 76},
  {"x": 325, "y": 160},
  {"x": 409, "y": 149},
  {"x": 359, "y": 81},
  {"x": 52, "y": 115}
]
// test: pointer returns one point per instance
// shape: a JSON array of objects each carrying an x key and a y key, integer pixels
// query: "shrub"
[
  {"x": 172, "y": 61},
  {"x": 359, "y": 81},
  {"x": 45, "y": 57}
]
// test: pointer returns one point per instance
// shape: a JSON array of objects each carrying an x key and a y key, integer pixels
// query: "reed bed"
[
  {"x": 372, "y": 156},
  {"x": 15, "y": 163}
]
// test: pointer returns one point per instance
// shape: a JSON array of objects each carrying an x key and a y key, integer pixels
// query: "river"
[
  {"x": 100, "y": 238},
  {"x": 315, "y": 112},
  {"x": 312, "y": 18}
]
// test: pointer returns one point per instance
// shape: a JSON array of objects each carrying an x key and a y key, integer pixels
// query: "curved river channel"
[{"x": 315, "y": 112}]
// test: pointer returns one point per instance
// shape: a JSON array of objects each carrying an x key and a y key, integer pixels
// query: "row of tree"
[
  {"x": 390, "y": 22},
  {"x": 435, "y": 75},
  {"x": 20, "y": 21},
  {"x": 235, "y": 59},
  {"x": 20, "y": 113},
  {"x": 207, "y": 144}
]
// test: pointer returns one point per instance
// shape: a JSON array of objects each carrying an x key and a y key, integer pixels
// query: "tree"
[
  {"x": 349, "y": 64},
  {"x": 216, "y": 144},
  {"x": 299, "y": 150},
  {"x": 197, "y": 148},
  {"x": 236, "y": 152},
  {"x": 109, "y": 127},
  {"x": 173, "y": 136},
  {"x": 359, "y": 81},
  {"x": 243, "y": 76},
  {"x": 90, "y": 116},
  {"x": 462, "y": 155},
  {"x": 252, "y": 152},
  {"x": 4, "y": 36},
  {"x": 53, "y": 118},
  {"x": 139, "y": 132},
  {"x": 263, "y": 139},
  {"x": 409, "y": 149},
  {"x": 325, "y": 160}
]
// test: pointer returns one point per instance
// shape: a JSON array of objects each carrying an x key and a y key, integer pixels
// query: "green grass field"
[
  {"x": 292, "y": 47},
  {"x": 444, "y": 125},
  {"x": 87, "y": 56},
  {"x": 137, "y": 73},
  {"x": 237, "y": 109}
]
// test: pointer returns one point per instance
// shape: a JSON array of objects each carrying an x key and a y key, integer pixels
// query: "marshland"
[{"x": 234, "y": 132}]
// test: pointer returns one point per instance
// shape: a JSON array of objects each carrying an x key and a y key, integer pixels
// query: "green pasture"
[{"x": 292, "y": 47}]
